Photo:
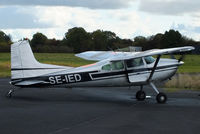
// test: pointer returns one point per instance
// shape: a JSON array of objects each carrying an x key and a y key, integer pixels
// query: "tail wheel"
[
  {"x": 140, "y": 95},
  {"x": 161, "y": 98},
  {"x": 9, "y": 94}
]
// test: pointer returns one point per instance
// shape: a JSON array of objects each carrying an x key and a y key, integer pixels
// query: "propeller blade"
[{"x": 181, "y": 58}]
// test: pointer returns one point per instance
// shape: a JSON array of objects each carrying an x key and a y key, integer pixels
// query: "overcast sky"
[{"x": 127, "y": 18}]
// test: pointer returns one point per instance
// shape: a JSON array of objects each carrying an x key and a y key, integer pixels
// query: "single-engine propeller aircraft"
[{"x": 112, "y": 69}]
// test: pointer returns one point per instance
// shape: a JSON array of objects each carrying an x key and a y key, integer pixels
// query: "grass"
[
  {"x": 192, "y": 62},
  {"x": 4, "y": 64},
  {"x": 184, "y": 81}
]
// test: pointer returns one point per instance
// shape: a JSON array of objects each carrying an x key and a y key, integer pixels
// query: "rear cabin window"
[
  {"x": 149, "y": 59},
  {"x": 134, "y": 62},
  {"x": 115, "y": 65}
]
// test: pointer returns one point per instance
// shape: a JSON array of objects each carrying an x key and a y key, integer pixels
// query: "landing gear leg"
[
  {"x": 9, "y": 94},
  {"x": 161, "y": 97},
  {"x": 141, "y": 95}
]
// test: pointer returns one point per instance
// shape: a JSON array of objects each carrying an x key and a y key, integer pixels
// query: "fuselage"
[{"x": 117, "y": 73}]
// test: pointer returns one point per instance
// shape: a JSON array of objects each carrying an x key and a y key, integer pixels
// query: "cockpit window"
[
  {"x": 149, "y": 59},
  {"x": 134, "y": 62},
  {"x": 115, "y": 65}
]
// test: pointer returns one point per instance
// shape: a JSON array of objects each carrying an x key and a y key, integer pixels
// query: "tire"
[
  {"x": 161, "y": 98},
  {"x": 140, "y": 95}
]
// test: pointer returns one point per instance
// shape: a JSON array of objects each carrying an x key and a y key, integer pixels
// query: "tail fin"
[{"x": 24, "y": 64}]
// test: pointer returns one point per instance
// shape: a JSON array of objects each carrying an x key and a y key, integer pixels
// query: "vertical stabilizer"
[{"x": 24, "y": 64}]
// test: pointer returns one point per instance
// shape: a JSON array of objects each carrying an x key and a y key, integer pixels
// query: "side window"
[
  {"x": 149, "y": 59},
  {"x": 117, "y": 65},
  {"x": 134, "y": 62},
  {"x": 106, "y": 67}
]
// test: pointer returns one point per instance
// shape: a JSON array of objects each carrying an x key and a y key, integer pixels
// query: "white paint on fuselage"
[{"x": 122, "y": 80}]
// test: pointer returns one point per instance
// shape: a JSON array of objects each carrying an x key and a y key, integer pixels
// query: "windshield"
[{"x": 149, "y": 59}]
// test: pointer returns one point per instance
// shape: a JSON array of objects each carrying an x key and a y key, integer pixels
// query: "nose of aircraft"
[
  {"x": 165, "y": 61},
  {"x": 181, "y": 63}
]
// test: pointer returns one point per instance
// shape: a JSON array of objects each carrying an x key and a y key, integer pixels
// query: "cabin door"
[{"x": 137, "y": 71}]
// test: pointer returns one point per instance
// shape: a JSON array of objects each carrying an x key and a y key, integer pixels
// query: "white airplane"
[{"x": 113, "y": 69}]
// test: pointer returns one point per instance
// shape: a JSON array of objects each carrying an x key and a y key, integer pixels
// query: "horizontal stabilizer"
[{"x": 30, "y": 83}]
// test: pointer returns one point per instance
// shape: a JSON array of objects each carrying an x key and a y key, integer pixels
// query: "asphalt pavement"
[{"x": 96, "y": 111}]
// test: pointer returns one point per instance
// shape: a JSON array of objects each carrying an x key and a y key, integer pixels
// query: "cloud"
[
  {"x": 54, "y": 21},
  {"x": 13, "y": 17},
  {"x": 17, "y": 34},
  {"x": 57, "y": 21},
  {"x": 169, "y": 7},
  {"x": 124, "y": 23},
  {"x": 93, "y": 4},
  {"x": 188, "y": 30}
]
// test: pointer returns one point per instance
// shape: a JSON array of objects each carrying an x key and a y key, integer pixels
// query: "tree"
[
  {"x": 105, "y": 40},
  {"x": 154, "y": 41},
  {"x": 78, "y": 39},
  {"x": 5, "y": 42},
  {"x": 38, "y": 40},
  {"x": 100, "y": 40},
  {"x": 112, "y": 41},
  {"x": 172, "y": 38},
  {"x": 157, "y": 40},
  {"x": 140, "y": 41},
  {"x": 4, "y": 38}
]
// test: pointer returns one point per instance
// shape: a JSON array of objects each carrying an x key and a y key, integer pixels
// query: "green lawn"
[{"x": 192, "y": 62}]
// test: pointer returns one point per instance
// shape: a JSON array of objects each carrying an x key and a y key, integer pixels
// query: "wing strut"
[
  {"x": 181, "y": 58},
  {"x": 126, "y": 72},
  {"x": 154, "y": 68}
]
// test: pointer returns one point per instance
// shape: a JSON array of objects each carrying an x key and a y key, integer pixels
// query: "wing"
[
  {"x": 165, "y": 51},
  {"x": 158, "y": 52},
  {"x": 102, "y": 55}
]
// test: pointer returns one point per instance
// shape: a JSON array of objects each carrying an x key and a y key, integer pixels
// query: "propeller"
[{"x": 181, "y": 58}]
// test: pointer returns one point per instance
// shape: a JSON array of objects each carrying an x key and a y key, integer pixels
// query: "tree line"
[{"x": 77, "y": 40}]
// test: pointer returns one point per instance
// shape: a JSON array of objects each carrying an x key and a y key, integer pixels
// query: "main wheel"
[
  {"x": 161, "y": 98},
  {"x": 140, "y": 95}
]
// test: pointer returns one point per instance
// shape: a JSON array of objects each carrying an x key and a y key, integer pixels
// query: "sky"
[{"x": 127, "y": 18}]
